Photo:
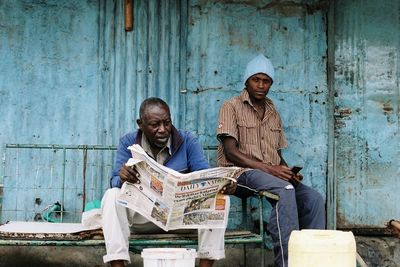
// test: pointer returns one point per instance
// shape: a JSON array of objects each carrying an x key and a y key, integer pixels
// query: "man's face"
[
  {"x": 156, "y": 125},
  {"x": 258, "y": 86}
]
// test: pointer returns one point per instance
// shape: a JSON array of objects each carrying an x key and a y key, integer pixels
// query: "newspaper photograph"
[{"x": 173, "y": 200}]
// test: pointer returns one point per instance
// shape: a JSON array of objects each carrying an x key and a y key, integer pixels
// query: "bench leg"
[{"x": 262, "y": 253}]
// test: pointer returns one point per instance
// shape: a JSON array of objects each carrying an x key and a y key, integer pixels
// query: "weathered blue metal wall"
[
  {"x": 71, "y": 75},
  {"x": 49, "y": 87},
  {"x": 367, "y": 101},
  {"x": 224, "y": 36},
  {"x": 49, "y": 71},
  {"x": 138, "y": 64}
]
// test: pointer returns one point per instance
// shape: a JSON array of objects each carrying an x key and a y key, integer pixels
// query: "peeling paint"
[
  {"x": 293, "y": 8},
  {"x": 366, "y": 113},
  {"x": 343, "y": 112},
  {"x": 387, "y": 108},
  {"x": 101, "y": 73}
]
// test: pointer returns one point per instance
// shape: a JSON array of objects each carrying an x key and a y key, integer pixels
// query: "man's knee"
[
  {"x": 316, "y": 199},
  {"x": 315, "y": 204},
  {"x": 110, "y": 196},
  {"x": 319, "y": 203}
]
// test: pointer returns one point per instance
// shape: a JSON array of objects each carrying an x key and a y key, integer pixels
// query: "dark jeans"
[{"x": 299, "y": 207}]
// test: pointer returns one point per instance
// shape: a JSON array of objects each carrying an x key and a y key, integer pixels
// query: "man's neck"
[{"x": 259, "y": 105}]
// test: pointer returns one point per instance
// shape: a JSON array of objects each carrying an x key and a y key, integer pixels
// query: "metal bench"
[{"x": 14, "y": 154}]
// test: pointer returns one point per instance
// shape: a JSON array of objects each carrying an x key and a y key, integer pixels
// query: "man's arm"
[
  {"x": 233, "y": 154},
  {"x": 197, "y": 161},
  {"x": 195, "y": 154}
]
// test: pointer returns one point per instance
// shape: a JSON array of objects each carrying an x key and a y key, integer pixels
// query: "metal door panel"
[{"x": 367, "y": 140}]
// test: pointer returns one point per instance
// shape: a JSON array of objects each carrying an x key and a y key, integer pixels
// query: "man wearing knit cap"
[{"x": 251, "y": 136}]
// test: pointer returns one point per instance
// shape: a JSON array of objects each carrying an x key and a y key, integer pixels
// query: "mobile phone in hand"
[{"x": 296, "y": 169}]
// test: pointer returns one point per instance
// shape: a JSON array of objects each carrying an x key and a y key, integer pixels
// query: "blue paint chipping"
[{"x": 71, "y": 75}]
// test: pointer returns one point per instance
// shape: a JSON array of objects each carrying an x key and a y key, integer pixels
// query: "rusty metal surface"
[
  {"x": 36, "y": 177},
  {"x": 367, "y": 135},
  {"x": 224, "y": 36},
  {"x": 191, "y": 53},
  {"x": 70, "y": 74}
]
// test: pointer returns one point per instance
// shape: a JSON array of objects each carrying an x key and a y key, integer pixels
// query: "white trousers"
[{"x": 118, "y": 222}]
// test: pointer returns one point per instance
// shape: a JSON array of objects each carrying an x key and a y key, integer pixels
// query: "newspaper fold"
[{"x": 173, "y": 200}]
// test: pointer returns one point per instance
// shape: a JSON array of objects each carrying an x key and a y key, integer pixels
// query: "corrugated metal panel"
[
  {"x": 49, "y": 81},
  {"x": 36, "y": 177},
  {"x": 49, "y": 72},
  {"x": 70, "y": 74},
  {"x": 139, "y": 64},
  {"x": 223, "y": 37},
  {"x": 367, "y": 110},
  {"x": 62, "y": 60}
]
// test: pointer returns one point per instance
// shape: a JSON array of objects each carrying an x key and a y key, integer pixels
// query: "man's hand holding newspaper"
[{"x": 173, "y": 200}]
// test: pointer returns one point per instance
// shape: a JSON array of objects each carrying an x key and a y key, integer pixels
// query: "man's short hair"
[{"x": 152, "y": 101}]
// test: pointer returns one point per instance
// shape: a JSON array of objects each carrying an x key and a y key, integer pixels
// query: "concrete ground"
[
  {"x": 379, "y": 251},
  {"x": 375, "y": 251}
]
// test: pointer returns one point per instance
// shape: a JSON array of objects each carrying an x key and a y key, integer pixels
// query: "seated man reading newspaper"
[{"x": 173, "y": 148}]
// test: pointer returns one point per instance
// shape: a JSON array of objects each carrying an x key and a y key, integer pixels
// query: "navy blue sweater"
[{"x": 186, "y": 153}]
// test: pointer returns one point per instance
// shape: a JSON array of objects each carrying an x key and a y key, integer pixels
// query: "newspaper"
[{"x": 173, "y": 200}]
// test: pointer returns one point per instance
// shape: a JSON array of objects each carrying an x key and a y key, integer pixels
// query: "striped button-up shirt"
[{"x": 260, "y": 139}]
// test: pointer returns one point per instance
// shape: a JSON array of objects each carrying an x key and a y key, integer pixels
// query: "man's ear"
[{"x": 139, "y": 123}]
